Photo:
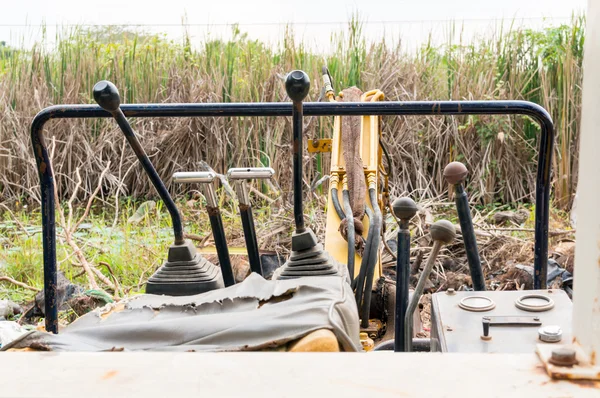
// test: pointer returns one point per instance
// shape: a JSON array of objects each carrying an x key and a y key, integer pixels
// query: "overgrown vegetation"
[{"x": 541, "y": 66}]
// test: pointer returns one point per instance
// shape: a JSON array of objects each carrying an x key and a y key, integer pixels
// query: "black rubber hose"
[
  {"x": 418, "y": 344},
  {"x": 360, "y": 281},
  {"x": 336, "y": 203},
  {"x": 372, "y": 258},
  {"x": 351, "y": 232}
]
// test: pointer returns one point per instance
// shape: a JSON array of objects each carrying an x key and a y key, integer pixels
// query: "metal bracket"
[
  {"x": 374, "y": 328},
  {"x": 320, "y": 145},
  {"x": 513, "y": 320},
  {"x": 582, "y": 370}
]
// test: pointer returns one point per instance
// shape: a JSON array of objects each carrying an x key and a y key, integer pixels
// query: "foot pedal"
[{"x": 185, "y": 273}]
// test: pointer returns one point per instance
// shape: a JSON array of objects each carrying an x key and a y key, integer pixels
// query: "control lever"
[
  {"x": 185, "y": 272},
  {"x": 442, "y": 233},
  {"x": 455, "y": 174},
  {"x": 308, "y": 258},
  {"x": 404, "y": 209},
  {"x": 206, "y": 178},
  {"x": 242, "y": 175},
  {"x": 485, "y": 322}
]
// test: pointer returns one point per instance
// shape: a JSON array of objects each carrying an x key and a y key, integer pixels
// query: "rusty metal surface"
[
  {"x": 152, "y": 374},
  {"x": 584, "y": 369}
]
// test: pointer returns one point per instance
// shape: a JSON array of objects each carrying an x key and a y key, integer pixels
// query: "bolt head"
[
  {"x": 404, "y": 208},
  {"x": 444, "y": 231},
  {"x": 455, "y": 173},
  {"x": 563, "y": 356},
  {"x": 297, "y": 85},
  {"x": 107, "y": 95}
]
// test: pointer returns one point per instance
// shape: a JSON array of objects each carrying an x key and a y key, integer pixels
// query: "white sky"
[{"x": 313, "y": 20}]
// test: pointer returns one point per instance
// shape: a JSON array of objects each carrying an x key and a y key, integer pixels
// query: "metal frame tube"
[
  {"x": 410, "y": 108},
  {"x": 586, "y": 294},
  {"x": 402, "y": 285},
  {"x": 297, "y": 128},
  {"x": 468, "y": 235}
]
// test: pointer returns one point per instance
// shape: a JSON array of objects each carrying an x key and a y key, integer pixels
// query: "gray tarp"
[{"x": 254, "y": 314}]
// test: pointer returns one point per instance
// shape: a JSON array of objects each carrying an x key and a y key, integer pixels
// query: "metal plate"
[
  {"x": 321, "y": 145},
  {"x": 454, "y": 329},
  {"x": 514, "y": 320}
]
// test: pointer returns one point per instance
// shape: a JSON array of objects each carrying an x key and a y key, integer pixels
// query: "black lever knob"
[
  {"x": 486, "y": 329},
  {"x": 106, "y": 95},
  {"x": 297, "y": 85},
  {"x": 404, "y": 208}
]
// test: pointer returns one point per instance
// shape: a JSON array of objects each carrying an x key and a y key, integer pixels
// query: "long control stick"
[
  {"x": 242, "y": 175},
  {"x": 185, "y": 272},
  {"x": 442, "y": 232},
  {"x": 206, "y": 178},
  {"x": 297, "y": 85},
  {"x": 308, "y": 258},
  {"x": 107, "y": 96},
  {"x": 455, "y": 174},
  {"x": 404, "y": 209}
]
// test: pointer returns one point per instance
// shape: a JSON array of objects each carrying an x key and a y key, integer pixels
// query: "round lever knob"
[
  {"x": 404, "y": 208},
  {"x": 106, "y": 95},
  {"x": 455, "y": 173},
  {"x": 443, "y": 231},
  {"x": 297, "y": 85}
]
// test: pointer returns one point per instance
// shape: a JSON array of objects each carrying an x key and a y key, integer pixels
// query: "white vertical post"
[{"x": 586, "y": 296}]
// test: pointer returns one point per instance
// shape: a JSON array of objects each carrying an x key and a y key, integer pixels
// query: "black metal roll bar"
[{"x": 410, "y": 108}]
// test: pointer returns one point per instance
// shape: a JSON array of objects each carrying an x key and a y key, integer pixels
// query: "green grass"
[{"x": 133, "y": 251}]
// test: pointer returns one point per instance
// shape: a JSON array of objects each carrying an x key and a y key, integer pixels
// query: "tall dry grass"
[{"x": 541, "y": 66}]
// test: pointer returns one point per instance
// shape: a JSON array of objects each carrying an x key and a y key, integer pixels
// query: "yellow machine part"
[{"x": 372, "y": 165}]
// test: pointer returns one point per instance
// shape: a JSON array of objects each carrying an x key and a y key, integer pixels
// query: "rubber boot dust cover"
[
  {"x": 185, "y": 273},
  {"x": 308, "y": 258}
]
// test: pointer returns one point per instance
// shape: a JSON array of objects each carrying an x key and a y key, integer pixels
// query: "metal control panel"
[{"x": 499, "y": 322}]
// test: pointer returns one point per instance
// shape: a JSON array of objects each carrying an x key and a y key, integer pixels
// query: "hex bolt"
[
  {"x": 563, "y": 356},
  {"x": 404, "y": 209}
]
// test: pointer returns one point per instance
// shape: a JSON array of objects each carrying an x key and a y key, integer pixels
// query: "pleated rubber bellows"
[
  {"x": 308, "y": 258},
  {"x": 185, "y": 273}
]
